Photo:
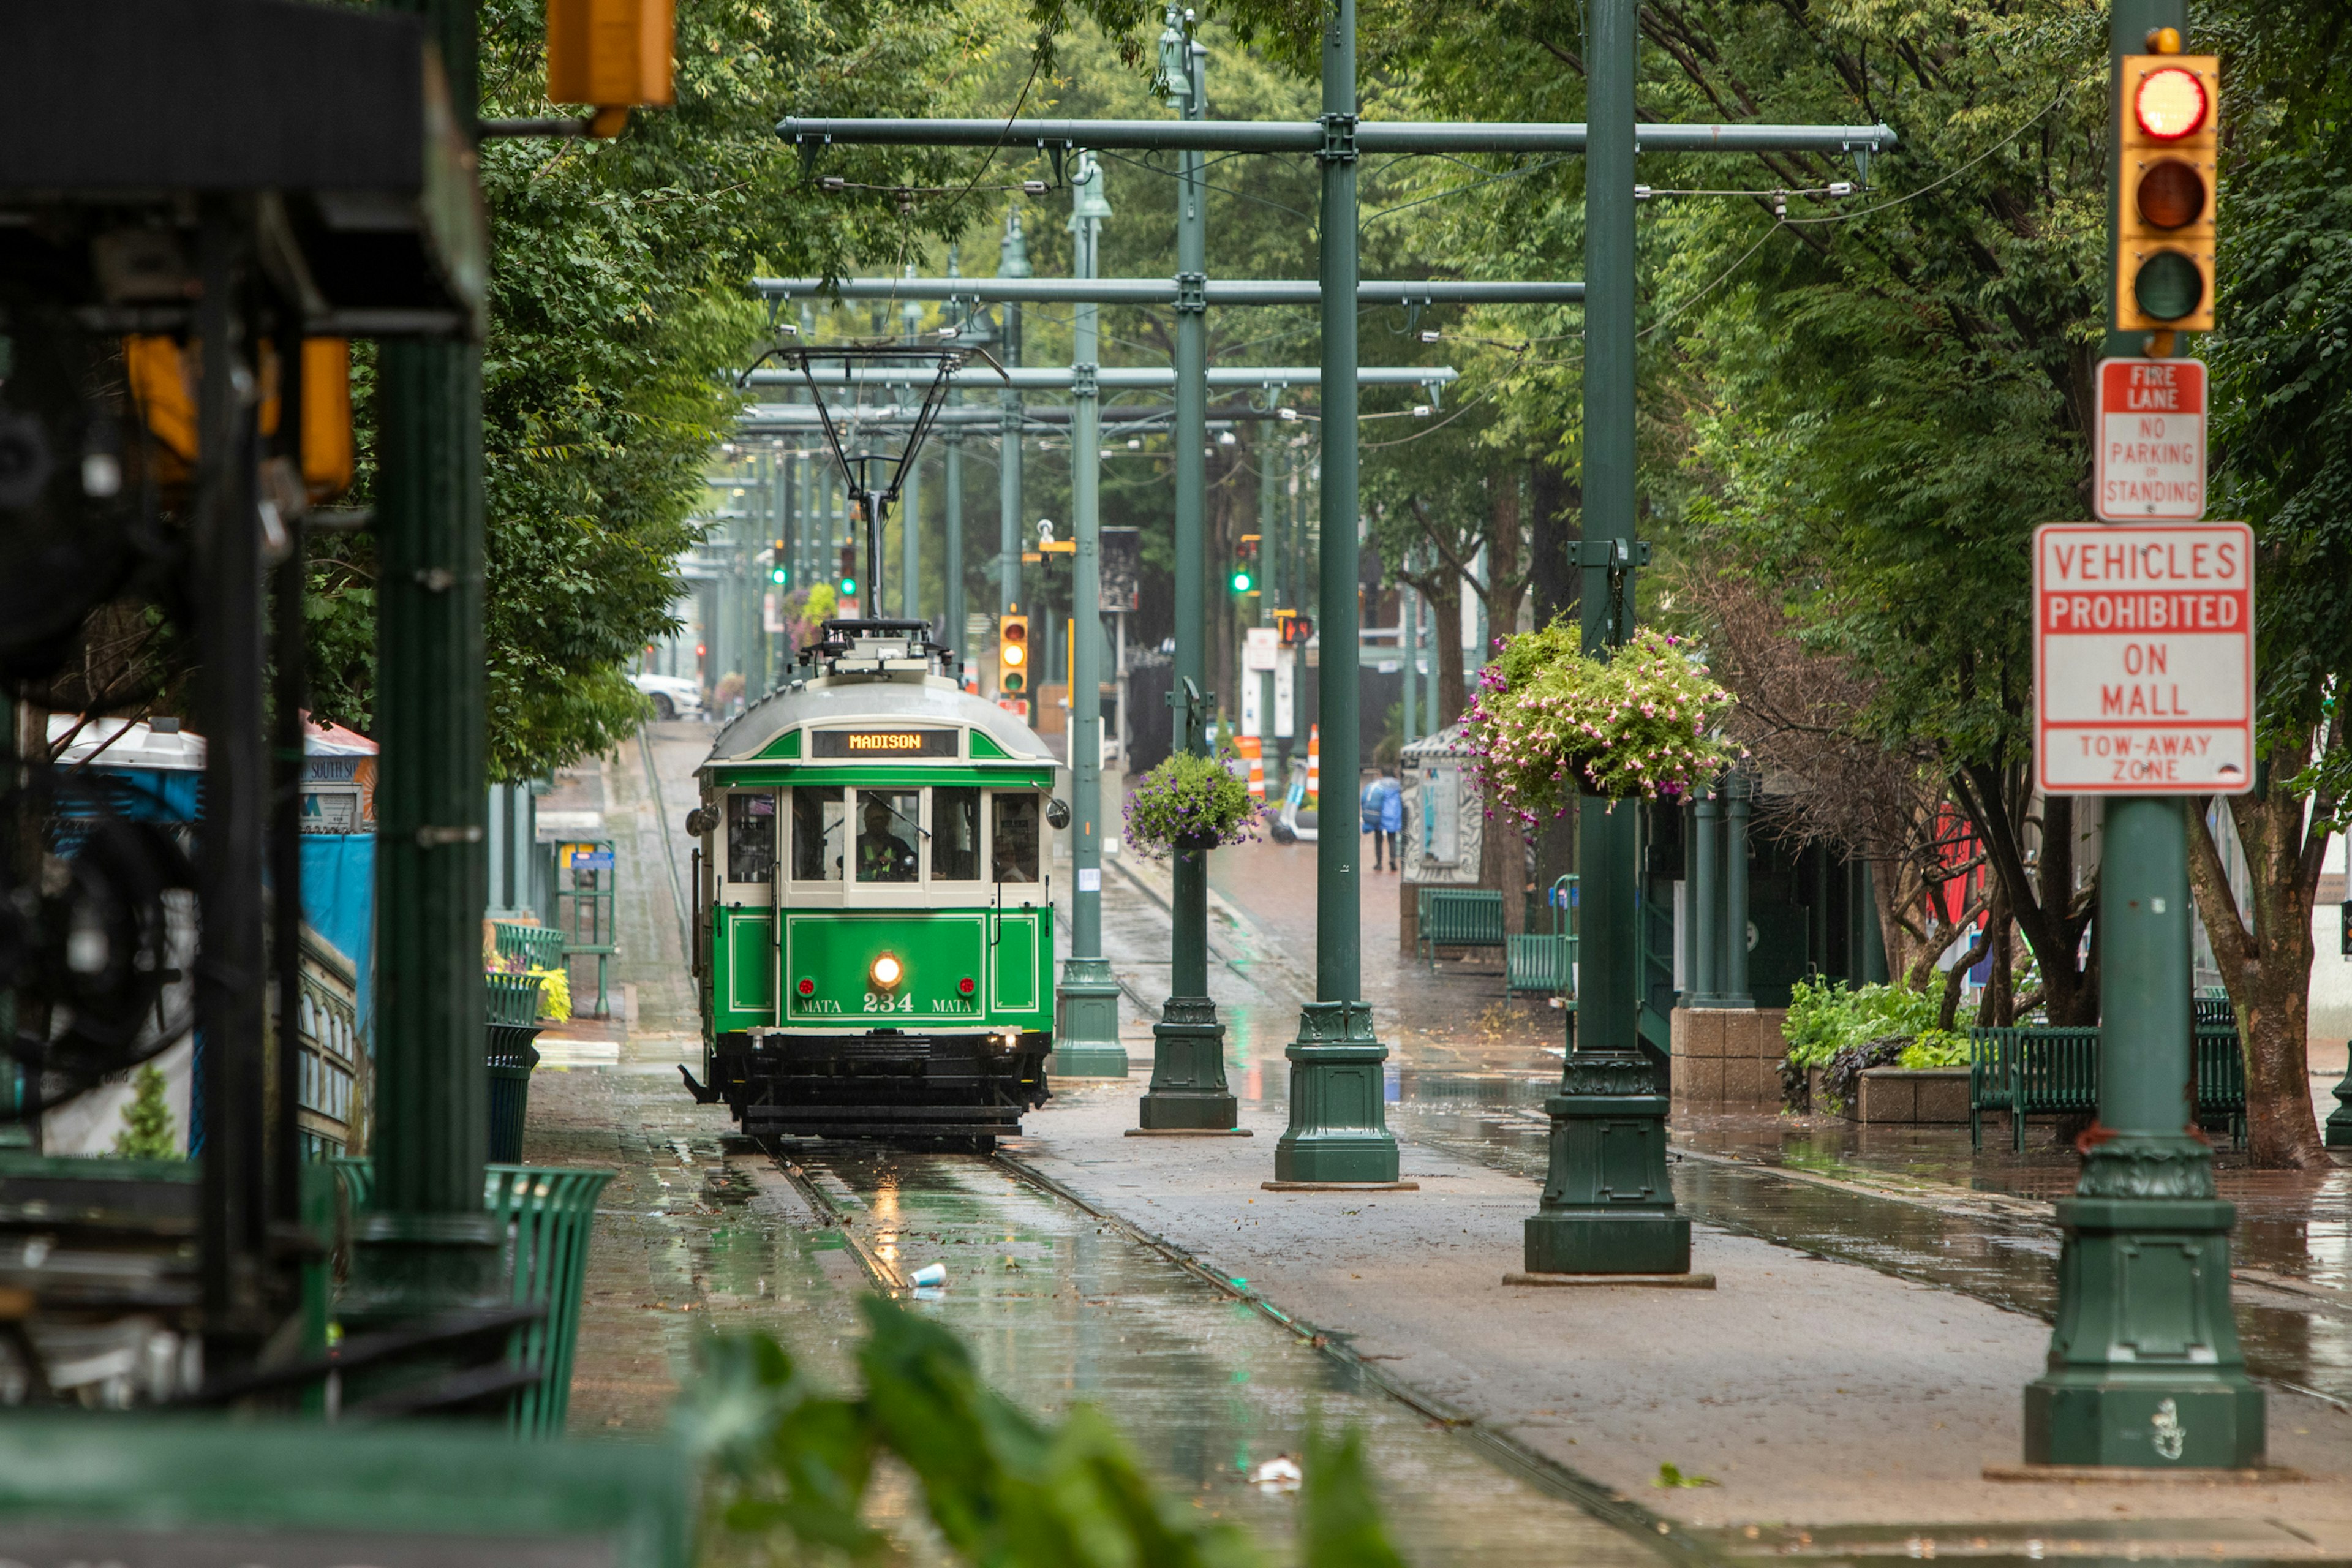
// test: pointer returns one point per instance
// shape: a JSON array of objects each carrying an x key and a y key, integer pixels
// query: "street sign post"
[
  {"x": 2143, "y": 658},
  {"x": 2150, "y": 458}
]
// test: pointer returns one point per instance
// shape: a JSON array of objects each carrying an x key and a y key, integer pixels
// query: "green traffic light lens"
[
  {"x": 1014, "y": 682},
  {"x": 849, "y": 584},
  {"x": 1241, "y": 582},
  {"x": 2168, "y": 285}
]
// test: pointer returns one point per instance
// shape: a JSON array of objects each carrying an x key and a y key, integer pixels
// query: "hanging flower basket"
[
  {"x": 1190, "y": 802},
  {"x": 1549, "y": 723}
]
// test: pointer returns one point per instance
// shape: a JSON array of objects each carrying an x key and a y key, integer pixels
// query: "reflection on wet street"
[
  {"x": 1059, "y": 1308},
  {"x": 2292, "y": 1226}
]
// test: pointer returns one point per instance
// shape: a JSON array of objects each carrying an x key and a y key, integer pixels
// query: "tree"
[
  {"x": 2283, "y": 395},
  {"x": 147, "y": 1130}
]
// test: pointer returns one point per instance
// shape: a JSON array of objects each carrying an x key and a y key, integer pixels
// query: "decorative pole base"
[
  {"x": 1086, "y": 1023},
  {"x": 2145, "y": 1368},
  {"x": 1338, "y": 1119},
  {"x": 1607, "y": 1205},
  {"x": 416, "y": 1265},
  {"x": 2338, "y": 1130},
  {"x": 1188, "y": 1070}
]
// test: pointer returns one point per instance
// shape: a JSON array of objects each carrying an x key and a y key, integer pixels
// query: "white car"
[{"x": 674, "y": 696}]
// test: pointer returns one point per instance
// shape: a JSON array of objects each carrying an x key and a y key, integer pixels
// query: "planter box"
[{"x": 1935, "y": 1097}]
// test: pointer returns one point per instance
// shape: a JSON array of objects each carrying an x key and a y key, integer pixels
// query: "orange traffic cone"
[
  {"x": 1254, "y": 749},
  {"x": 1314, "y": 766}
]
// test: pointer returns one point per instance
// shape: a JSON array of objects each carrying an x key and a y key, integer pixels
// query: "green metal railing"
[
  {"x": 546, "y": 1217},
  {"x": 584, "y": 908}
]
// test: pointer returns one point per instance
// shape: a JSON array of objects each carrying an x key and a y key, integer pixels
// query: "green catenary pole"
[
  {"x": 1339, "y": 1130},
  {"x": 1606, "y": 1206},
  {"x": 1188, "y": 1089},
  {"x": 1085, "y": 1012},
  {"x": 1012, "y": 261},
  {"x": 2144, "y": 1368},
  {"x": 911, "y": 496},
  {"x": 427, "y": 1244}
]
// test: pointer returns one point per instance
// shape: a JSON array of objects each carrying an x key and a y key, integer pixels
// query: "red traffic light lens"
[
  {"x": 2170, "y": 103},
  {"x": 2171, "y": 195},
  {"x": 1017, "y": 631}
]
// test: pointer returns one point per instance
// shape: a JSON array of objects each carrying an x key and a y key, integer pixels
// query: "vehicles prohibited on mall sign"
[
  {"x": 2151, "y": 461},
  {"x": 2144, "y": 658}
]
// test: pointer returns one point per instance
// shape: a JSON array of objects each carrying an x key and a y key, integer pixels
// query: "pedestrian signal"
[
  {"x": 1295, "y": 628},
  {"x": 2164, "y": 232},
  {"x": 1012, "y": 654}
]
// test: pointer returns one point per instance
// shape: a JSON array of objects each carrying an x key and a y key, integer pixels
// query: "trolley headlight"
[{"x": 886, "y": 972}]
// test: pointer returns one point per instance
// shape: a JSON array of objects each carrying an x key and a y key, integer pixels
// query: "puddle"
[{"x": 1058, "y": 1309}]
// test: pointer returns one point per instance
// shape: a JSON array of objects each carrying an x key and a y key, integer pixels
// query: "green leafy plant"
[
  {"x": 1549, "y": 722},
  {"x": 147, "y": 1130},
  {"x": 1671, "y": 1475},
  {"x": 1190, "y": 800},
  {"x": 1846, "y": 1031},
  {"x": 787, "y": 1460}
]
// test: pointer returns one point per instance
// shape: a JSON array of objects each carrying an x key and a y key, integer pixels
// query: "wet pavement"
[{"x": 701, "y": 1232}]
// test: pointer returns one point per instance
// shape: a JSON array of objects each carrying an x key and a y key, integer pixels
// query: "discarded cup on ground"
[
  {"x": 1279, "y": 1474},
  {"x": 929, "y": 1274}
]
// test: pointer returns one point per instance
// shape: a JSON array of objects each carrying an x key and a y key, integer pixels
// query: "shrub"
[
  {"x": 1845, "y": 1031},
  {"x": 147, "y": 1130}
]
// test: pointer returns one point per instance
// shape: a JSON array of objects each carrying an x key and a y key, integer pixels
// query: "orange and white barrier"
[
  {"x": 1314, "y": 766},
  {"x": 1253, "y": 751}
]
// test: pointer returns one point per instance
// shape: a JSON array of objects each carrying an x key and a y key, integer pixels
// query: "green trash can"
[
  {"x": 512, "y": 1011},
  {"x": 541, "y": 947},
  {"x": 549, "y": 1217}
]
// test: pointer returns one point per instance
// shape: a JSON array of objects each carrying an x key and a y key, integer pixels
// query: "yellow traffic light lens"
[
  {"x": 2168, "y": 287},
  {"x": 1014, "y": 653},
  {"x": 2170, "y": 103},
  {"x": 2171, "y": 195},
  {"x": 886, "y": 972}
]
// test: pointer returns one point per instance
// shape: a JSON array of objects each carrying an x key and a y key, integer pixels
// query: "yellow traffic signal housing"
[
  {"x": 1012, "y": 656},
  {"x": 2170, "y": 111},
  {"x": 613, "y": 54}
]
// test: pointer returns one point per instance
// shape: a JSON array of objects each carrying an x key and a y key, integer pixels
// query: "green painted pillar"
[
  {"x": 1731, "y": 944},
  {"x": 951, "y": 606},
  {"x": 428, "y": 1245},
  {"x": 2145, "y": 1369},
  {"x": 1607, "y": 1208},
  {"x": 1188, "y": 1089},
  {"x": 1338, "y": 1126},
  {"x": 1012, "y": 261},
  {"x": 911, "y": 496},
  {"x": 1703, "y": 900},
  {"x": 1085, "y": 1012}
]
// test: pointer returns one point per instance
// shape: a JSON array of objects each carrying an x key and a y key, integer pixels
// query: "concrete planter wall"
[
  {"x": 1928, "y": 1097},
  {"x": 1727, "y": 1058}
]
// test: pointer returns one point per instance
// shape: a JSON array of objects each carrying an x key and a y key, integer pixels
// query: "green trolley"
[{"x": 874, "y": 931}]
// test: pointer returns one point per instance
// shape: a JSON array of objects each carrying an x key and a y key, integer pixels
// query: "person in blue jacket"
[{"x": 1383, "y": 819}]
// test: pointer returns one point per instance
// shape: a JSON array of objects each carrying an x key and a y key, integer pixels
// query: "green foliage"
[
  {"x": 147, "y": 1130},
  {"x": 1549, "y": 721},
  {"x": 1824, "y": 1017},
  {"x": 787, "y": 1460},
  {"x": 1189, "y": 797},
  {"x": 1936, "y": 1049},
  {"x": 1672, "y": 1475}
]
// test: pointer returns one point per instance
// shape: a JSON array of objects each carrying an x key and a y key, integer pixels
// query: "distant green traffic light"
[
  {"x": 1242, "y": 581},
  {"x": 777, "y": 575},
  {"x": 848, "y": 587}
]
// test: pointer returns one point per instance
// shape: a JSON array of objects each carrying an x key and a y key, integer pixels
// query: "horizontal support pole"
[
  {"x": 776, "y": 418},
  {"x": 1395, "y": 136},
  {"x": 982, "y": 378},
  {"x": 1163, "y": 290}
]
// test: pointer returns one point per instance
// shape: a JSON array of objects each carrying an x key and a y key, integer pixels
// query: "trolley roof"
[{"x": 773, "y": 731}]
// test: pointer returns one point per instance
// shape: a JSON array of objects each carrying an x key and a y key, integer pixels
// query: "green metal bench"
[
  {"x": 1543, "y": 963},
  {"x": 1460, "y": 917},
  {"x": 2053, "y": 1070}
]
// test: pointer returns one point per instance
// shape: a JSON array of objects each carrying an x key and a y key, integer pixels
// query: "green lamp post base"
[
  {"x": 1086, "y": 1023},
  {"x": 1338, "y": 1121},
  {"x": 408, "y": 1265},
  {"x": 2145, "y": 1369},
  {"x": 1188, "y": 1070},
  {"x": 2338, "y": 1130},
  {"x": 1607, "y": 1204}
]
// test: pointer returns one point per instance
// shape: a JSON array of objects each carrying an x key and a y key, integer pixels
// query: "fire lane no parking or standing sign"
[{"x": 2144, "y": 658}]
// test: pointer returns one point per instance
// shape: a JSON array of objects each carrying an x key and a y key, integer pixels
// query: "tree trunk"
[
  {"x": 1554, "y": 527},
  {"x": 2048, "y": 909},
  {"x": 1445, "y": 604},
  {"x": 2266, "y": 965}
]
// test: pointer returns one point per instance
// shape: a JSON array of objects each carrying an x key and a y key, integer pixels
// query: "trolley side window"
[
  {"x": 955, "y": 835},
  {"x": 750, "y": 838},
  {"x": 817, "y": 834},
  {"x": 1015, "y": 858},
  {"x": 888, "y": 835}
]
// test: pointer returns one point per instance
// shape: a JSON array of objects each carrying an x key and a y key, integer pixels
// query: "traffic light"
[
  {"x": 1243, "y": 581},
  {"x": 778, "y": 573},
  {"x": 2170, "y": 105},
  {"x": 849, "y": 571},
  {"x": 1012, "y": 656},
  {"x": 1246, "y": 564}
]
